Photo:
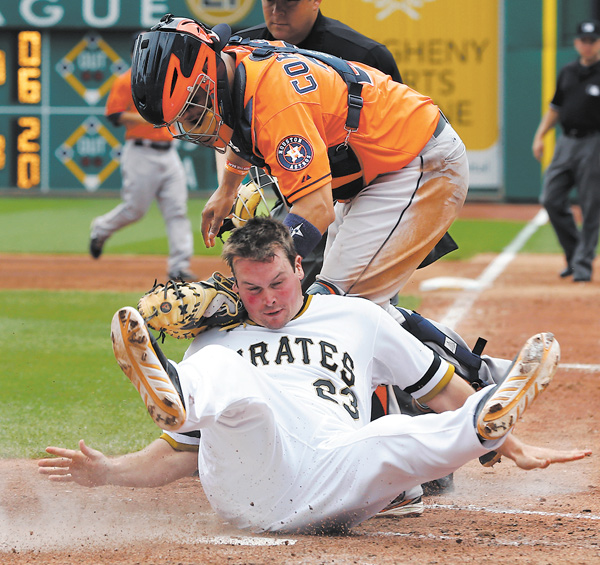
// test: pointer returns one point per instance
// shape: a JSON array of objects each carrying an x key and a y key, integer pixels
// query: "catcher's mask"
[{"x": 179, "y": 80}]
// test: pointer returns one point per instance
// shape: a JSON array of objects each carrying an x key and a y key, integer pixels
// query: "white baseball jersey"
[{"x": 286, "y": 438}]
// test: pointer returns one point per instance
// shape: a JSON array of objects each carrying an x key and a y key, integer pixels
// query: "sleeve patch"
[{"x": 294, "y": 153}]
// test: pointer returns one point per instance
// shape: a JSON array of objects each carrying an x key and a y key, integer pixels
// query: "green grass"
[
  {"x": 62, "y": 225},
  {"x": 492, "y": 236},
  {"x": 60, "y": 380}
]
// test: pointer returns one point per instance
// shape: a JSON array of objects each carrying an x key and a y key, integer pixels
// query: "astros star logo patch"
[{"x": 294, "y": 153}]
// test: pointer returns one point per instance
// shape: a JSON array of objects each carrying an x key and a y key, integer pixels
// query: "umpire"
[{"x": 576, "y": 160}]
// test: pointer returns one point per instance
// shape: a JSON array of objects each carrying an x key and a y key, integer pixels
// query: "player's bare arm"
[
  {"x": 218, "y": 207},
  {"x": 452, "y": 396},
  {"x": 156, "y": 465},
  {"x": 220, "y": 203},
  {"x": 316, "y": 207}
]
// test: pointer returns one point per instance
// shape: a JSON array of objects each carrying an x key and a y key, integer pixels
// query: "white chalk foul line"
[
  {"x": 580, "y": 367},
  {"x": 488, "y": 541},
  {"x": 473, "y": 508},
  {"x": 465, "y": 301},
  {"x": 497, "y": 540},
  {"x": 243, "y": 540}
]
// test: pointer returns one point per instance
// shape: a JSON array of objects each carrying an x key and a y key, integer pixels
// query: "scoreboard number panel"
[
  {"x": 53, "y": 88},
  {"x": 53, "y": 134}
]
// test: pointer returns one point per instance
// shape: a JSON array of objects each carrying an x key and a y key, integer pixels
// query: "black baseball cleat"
[
  {"x": 147, "y": 368},
  {"x": 184, "y": 276},
  {"x": 490, "y": 459},
  {"x": 96, "y": 245},
  {"x": 528, "y": 376},
  {"x": 566, "y": 272},
  {"x": 443, "y": 485}
]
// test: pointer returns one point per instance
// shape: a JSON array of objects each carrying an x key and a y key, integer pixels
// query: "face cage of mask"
[{"x": 210, "y": 135}]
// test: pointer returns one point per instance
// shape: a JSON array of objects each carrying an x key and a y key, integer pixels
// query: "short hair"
[{"x": 259, "y": 240}]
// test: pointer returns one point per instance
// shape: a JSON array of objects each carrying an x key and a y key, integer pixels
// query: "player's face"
[
  {"x": 290, "y": 20},
  {"x": 198, "y": 121},
  {"x": 270, "y": 290}
]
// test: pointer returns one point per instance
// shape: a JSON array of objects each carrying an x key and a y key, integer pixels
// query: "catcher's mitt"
[{"x": 183, "y": 310}]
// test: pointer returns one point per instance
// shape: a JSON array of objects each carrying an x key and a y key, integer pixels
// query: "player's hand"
[
  {"x": 533, "y": 457},
  {"x": 538, "y": 148},
  {"x": 216, "y": 210},
  {"x": 88, "y": 467}
]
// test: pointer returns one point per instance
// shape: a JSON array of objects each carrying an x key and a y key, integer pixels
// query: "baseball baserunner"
[{"x": 282, "y": 403}]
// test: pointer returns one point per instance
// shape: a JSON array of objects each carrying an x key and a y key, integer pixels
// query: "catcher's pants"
[
  {"x": 269, "y": 463},
  {"x": 381, "y": 236},
  {"x": 576, "y": 162},
  {"x": 150, "y": 174}
]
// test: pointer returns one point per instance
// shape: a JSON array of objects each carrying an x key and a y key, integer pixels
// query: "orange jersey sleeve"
[
  {"x": 298, "y": 111},
  {"x": 120, "y": 100}
]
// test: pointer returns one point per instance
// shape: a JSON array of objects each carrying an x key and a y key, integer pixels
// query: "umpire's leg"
[
  {"x": 558, "y": 182},
  {"x": 588, "y": 183}
]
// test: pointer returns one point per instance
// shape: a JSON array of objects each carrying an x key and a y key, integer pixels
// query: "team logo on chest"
[{"x": 294, "y": 153}]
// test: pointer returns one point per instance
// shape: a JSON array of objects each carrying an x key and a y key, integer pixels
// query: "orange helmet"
[{"x": 179, "y": 80}]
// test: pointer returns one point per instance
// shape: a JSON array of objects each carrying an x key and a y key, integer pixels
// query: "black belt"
[
  {"x": 579, "y": 133},
  {"x": 440, "y": 125},
  {"x": 160, "y": 146}
]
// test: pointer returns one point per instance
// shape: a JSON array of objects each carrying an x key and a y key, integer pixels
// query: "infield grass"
[
  {"x": 62, "y": 225},
  {"x": 60, "y": 380}
]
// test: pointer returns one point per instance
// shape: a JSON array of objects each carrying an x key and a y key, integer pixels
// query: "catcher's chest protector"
[{"x": 346, "y": 169}]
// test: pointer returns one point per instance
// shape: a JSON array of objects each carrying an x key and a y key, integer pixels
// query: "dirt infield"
[{"x": 502, "y": 515}]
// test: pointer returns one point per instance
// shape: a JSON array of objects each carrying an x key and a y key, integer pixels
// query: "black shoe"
[
  {"x": 582, "y": 278},
  {"x": 566, "y": 272},
  {"x": 185, "y": 276},
  {"x": 439, "y": 486},
  {"x": 96, "y": 245},
  {"x": 490, "y": 459}
]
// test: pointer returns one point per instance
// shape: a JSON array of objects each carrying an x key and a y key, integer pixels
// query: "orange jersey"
[
  {"x": 120, "y": 100},
  {"x": 298, "y": 111}
]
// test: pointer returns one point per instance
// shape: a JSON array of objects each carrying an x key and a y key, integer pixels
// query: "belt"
[
  {"x": 440, "y": 125},
  {"x": 158, "y": 145},
  {"x": 579, "y": 133}
]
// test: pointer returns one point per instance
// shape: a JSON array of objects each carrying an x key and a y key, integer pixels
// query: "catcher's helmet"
[{"x": 179, "y": 80}]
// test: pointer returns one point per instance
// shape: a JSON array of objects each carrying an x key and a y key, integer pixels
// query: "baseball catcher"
[{"x": 183, "y": 310}]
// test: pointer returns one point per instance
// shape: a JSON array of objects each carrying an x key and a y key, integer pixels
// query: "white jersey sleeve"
[{"x": 401, "y": 359}]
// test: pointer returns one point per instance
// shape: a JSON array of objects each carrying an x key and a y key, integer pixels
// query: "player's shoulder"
[
  {"x": 337, "y": 38},
  {"x": 344, "y": 32},
  {"x": 348, "y": 304}
]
